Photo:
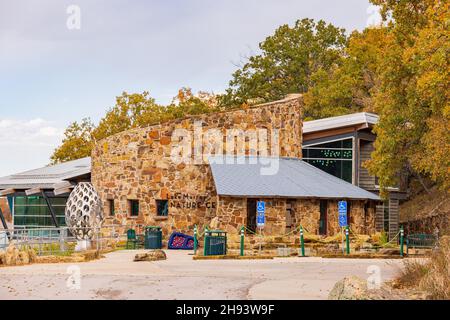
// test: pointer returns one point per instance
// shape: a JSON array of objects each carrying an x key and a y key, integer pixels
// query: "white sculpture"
[{"x": 83, "y": 211}]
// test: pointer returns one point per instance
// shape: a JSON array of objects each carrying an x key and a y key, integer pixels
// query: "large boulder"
[
  {"x": 13, "y": 256},
  {"x": 349, "y": 288},
  {"x": 153, "y": 255}
]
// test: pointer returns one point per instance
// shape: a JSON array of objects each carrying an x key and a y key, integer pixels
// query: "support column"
[{"x": 52, "y": 212}]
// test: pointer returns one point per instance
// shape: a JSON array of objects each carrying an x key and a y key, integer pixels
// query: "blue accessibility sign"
[
  {"x": 260, "y": 214},
  {"x": 342, "y": 208}
]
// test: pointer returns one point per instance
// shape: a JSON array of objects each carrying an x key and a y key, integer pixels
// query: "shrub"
[{"x": 431, "y": 276}]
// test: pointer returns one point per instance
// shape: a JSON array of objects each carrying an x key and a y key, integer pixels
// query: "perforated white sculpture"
[{"x": 83, "y": 211}]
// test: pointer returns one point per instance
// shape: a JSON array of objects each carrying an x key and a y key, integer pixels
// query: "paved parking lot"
[{"x": 179, "y": 277}]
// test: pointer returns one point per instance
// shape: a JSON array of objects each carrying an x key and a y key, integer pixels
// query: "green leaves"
[
  {"x": 412, "y": 99},
  {"x": 287, "y": 62},
  {"x": 130, "y": 111}
]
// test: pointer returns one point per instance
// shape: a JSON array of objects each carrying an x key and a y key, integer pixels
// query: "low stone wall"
[{"x": 429, "y": 225}]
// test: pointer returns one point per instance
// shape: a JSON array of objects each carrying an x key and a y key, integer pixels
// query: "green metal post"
[
  {"x": 302, "y": 241},
  {"x": 195, "y": 240},
  {"x": 204, "y": 241},
  {"x": 401, "y": 241},
  {"x": 347, "y": 240},
  {"x": 242, "y": 241}
]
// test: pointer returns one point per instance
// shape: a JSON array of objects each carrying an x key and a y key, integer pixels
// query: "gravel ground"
[{"x": 179, "y": 277}]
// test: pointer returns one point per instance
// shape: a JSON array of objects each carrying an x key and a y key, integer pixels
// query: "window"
[
  {"x": 335, "y": 158},
  {"x": 111, "y": 208},
  {"x": 134, "y": 208},
  {"x": 33, "y": 211},
  {"x": 323, "y": 217},
  {"x": 162, "y": 208}
]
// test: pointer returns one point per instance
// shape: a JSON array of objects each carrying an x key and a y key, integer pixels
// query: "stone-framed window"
[
  {"x": 162, "y": 208},
  {"x": 133, "y": 208},
  {"x": 111, "y": 208}
]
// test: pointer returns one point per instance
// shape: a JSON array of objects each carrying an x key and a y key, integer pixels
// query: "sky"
[{"x": 56, "y": 68}]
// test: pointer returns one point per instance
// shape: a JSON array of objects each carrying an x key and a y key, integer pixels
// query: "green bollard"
[
  {"x": 242, "y": 241},
  {"x": 401, "y": 241},
  {"x": 302, "y": 241},
  {"x": 195, "y": 240},
  {"x": 204, "y": 241},
  {"x": 347, "y": 240}
]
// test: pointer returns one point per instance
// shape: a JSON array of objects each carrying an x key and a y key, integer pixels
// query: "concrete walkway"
[{"x": 180, "y": 277}]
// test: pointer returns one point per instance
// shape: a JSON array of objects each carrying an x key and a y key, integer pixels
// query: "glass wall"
[
  {"x": 335, "y": 158},
  {"x": 34, "y": 212}
]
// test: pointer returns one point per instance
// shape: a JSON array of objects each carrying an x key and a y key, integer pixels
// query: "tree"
[
  {"x": 77, "y": 142},
  {"x": 130, "y": 111},
  {"x": 412, "y": 99},
  {"x": 348, "y": 87},
  {"x": 286, "y": 63}
]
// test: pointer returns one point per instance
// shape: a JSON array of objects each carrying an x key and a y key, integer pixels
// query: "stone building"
[{"x": 175, "y": 175}]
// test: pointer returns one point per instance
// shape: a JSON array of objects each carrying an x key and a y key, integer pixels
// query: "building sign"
[
  {"x": 342, "y": 207},
  {"x": 190, "y": 201},
  {"x": 260, "y": 214}
]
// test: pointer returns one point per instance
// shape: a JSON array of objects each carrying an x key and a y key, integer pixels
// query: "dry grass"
[{"x": 431, "y": 276}]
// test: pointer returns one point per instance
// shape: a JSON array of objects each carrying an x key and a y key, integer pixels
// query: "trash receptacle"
[
  {"x": 215, "y": 243},
  {"x": 153, "y": 238}
]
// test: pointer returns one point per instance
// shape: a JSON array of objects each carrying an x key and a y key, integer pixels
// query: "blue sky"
[{"x": 50, "y": 75}]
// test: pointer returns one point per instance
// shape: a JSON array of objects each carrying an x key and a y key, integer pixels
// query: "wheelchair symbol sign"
[
  {"x": 260, "y": 216},
  {"x": 342, "y": 208}
]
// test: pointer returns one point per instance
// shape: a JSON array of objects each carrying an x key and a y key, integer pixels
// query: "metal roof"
[
  {"x": 340, "y": 121},
  {"x": 293, "y": 179},
  {"x": 47, "y": 177}
]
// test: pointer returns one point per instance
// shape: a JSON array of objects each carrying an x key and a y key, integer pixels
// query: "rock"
[
  {"x": 12, "y": 254},
  {"x": 354, "y": 288},
  {"x": 390, "y": 251},
  {"x": 153, "y": 255},
  {"x": 349, "y": 288},
  {"x": 214, "y": 225}
]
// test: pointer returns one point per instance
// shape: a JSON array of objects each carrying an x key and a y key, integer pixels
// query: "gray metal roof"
[
  {"x": 47, "y": 177},
  {"x": 340, "y": 121},
  {"x": 293, "y": 179}
]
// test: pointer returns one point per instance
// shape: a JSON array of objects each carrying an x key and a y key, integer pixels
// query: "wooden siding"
[
  {"x": 365, "y": 180},
  {"x": 379, "y": 218},
  {"x": 393, "y": 217}
]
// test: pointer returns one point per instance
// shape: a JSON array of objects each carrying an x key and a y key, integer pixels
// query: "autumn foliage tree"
[
  {"x": 412, "y": 99},
  {"x": 130, "y": 111}
]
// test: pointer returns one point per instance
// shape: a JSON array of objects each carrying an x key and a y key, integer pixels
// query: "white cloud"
[
  {"x": 33, "y": 133},
  {"x": 26, "y": 144}
]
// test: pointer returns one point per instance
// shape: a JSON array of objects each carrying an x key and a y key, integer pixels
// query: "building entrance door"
[
  {"x": 323, "y": 217},
  {"x": 289, "y": 217},
  {"x": 251, "y": 214}
]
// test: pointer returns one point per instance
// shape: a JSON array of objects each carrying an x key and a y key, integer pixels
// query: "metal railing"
[{"x": 60, "y": 241}]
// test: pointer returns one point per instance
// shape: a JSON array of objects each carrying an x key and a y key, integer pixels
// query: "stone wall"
[{"x": 137, "y": 165}]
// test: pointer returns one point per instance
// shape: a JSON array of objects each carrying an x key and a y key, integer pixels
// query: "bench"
[{"x": 420, "y": 241}]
